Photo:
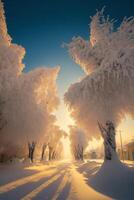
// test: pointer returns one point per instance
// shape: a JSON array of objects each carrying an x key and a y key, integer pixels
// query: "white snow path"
[
  {"x": 56, "y": 181},
  {"x": 80, "y": 190}
]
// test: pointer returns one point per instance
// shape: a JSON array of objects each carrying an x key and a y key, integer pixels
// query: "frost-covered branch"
[{"x": 106, "y": 92}]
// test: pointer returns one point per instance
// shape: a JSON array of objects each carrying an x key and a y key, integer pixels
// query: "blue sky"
[{"x": 41, "y": 26}]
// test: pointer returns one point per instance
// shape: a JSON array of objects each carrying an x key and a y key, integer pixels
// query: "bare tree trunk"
[
  {"x": 43, "y": 151},
  {"x": 108, "y": 134},
  {"x": 81, "y": 154},
  {"x": 76, "y": 153},
  {"x": 53, "y": 155},
  {"x": 50, "y": 152},
  {"x": 31, "y": 149}
]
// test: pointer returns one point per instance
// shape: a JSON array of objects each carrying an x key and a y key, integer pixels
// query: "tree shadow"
[
  {"x": 115, "y": 181},
  {"x": 18, "y": 191},
  {"x": 65, "y": 192},
  {"x": 88, "y": 168}
]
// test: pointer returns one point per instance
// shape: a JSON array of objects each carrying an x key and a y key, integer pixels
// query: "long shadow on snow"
[
  {"x": 20, "y": 191},
  {"x": 50, "y": 191},
  {"x": 115, "y": 180}
]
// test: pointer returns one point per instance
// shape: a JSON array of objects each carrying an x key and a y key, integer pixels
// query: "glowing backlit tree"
[
  {"x": 30, "y": 98},
  {"x": 106, "y": 90}
]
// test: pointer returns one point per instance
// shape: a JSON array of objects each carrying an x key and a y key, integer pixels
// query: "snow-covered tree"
[
  {"x": 106, "y": 91},
  {"x": 59, "y": 153},
  {"x": 55, "y": 134},
  {"x": 30, "y": 98},
  {"x": 108, "y": 135},
  {"x": 78, "y": 141}
]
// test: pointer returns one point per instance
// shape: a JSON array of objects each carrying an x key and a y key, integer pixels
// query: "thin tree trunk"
[
  {"x": 43, "y": 151},
  {"x": 50, "y": 152},
  {"x": 31, "y": 149},
  {"x": 53, "y": 155}
]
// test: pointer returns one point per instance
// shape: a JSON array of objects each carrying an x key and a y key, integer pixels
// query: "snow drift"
[{"x": 114, "y": 179}]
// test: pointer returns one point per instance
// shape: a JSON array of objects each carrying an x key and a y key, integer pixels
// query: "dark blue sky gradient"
[{"x": 41, "y": 26}]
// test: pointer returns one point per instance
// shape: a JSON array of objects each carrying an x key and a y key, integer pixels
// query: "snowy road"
[{"x": 59, "y": 180}]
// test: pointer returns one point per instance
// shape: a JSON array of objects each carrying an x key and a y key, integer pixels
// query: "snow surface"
[
  {"x": 115, "y": 180},
  {"x": 90, "y": 180}
]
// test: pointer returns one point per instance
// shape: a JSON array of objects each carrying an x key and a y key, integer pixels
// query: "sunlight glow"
[
  {"x": 64, "y": 120},
  {"x": 63, "y": 117},
  {"x": 127, "y": 129}
]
